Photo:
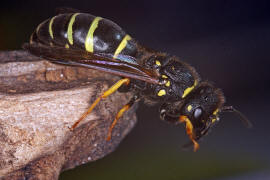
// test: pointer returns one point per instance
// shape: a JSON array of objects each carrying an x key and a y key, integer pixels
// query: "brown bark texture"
[{"x": 39, "y": 101}]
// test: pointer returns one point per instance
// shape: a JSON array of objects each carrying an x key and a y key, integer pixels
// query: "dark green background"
[{"x": 228, "y": 42}]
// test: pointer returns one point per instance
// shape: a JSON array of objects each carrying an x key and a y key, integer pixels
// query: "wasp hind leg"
[
  {"x": 111, "y": 90},
  {"x": 120, "y": 114}
]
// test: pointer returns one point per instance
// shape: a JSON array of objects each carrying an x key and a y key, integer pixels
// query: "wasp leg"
[
  {"x": 120, "y": 114},
  {"x": 103, "y": 96},
  {"x": 189, "y": 130}
]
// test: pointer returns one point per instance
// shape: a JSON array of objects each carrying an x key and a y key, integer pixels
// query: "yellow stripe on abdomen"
[
  {"x": 70, "y": 30},
  {"x": 50, "y": 27},
  {"x": 89, "y": 40},
  {"x": 121, "y": 46},
  {"x": 39, "y": 26}
]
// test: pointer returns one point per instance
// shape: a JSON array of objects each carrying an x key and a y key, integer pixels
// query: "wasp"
[{"x": 80, "y": 39}]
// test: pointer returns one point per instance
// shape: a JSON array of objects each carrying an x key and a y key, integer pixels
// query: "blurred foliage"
[
  {"x": 165, "y": 163},
  {"x": 16, "y": 29}
]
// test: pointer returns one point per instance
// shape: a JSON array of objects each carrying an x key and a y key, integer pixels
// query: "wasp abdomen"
[{"x": 84, "y": 31}]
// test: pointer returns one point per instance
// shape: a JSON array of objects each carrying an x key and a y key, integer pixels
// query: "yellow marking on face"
[
  {"x": 89, "y": 41},
  {"x": 70, "y": 30},
  {"x": 162, "y": 92},
  {"x": 121, "y": 46},
  {"x": 215, "y": 112},
  {"x": 164, "y": 76},
  {"x": 158, "y": 63},
  {"x": 168, "y": 83},
  {"x": 50, "y": 27},
  {"x": 189, "y": 108},
  {"x": 67, "y": 46},
  {"x": 189, "y": 89}
]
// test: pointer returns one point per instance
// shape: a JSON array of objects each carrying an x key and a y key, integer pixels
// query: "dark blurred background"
[{"x": 228, "y": 42}]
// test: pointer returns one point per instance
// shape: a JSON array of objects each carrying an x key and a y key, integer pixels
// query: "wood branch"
[{"x": 39, "y": 101}]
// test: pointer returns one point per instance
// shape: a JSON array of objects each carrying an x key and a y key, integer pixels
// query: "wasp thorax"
[{"x": 177, "y": 79}]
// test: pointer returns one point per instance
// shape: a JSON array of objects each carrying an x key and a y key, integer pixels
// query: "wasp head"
[{"x": 199, "y": 111}]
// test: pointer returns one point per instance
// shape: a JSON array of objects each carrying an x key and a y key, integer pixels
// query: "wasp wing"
[{"x": 100, "y": 62}]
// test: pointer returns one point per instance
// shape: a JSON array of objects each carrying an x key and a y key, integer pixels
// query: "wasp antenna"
[{"x": 243, "y": 118}]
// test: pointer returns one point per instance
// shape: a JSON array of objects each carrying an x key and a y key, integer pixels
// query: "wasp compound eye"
[{"x": 197, "y": 113}]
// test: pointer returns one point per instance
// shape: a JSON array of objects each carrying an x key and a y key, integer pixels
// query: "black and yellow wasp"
[{"x": 80, "y": 39}]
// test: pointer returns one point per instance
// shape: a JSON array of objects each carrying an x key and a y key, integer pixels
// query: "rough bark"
[{"x": 39, "y": 101}]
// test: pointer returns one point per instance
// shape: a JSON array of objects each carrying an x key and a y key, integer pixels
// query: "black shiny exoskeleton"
[{"x": 80, "y": 39}]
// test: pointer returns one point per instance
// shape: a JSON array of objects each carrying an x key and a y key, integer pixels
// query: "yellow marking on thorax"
[
  {"x": 66, "y": 46},
  {"x": 189, "y": 108},
  {"x": 168, "y": 83},
  {"x": 89, "y": 40},
  {"x": 164, "y": 76},
  {"x": 70, "y": 30},
  {"x": 215, "y": 112},
  {"x": 158, "y": 63},
  {"x": 121, "y": 46},
  {"x": 189, "y": 89},
  {"x": 50, "y": 27},
  {"x": 162, "y": 92}
]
